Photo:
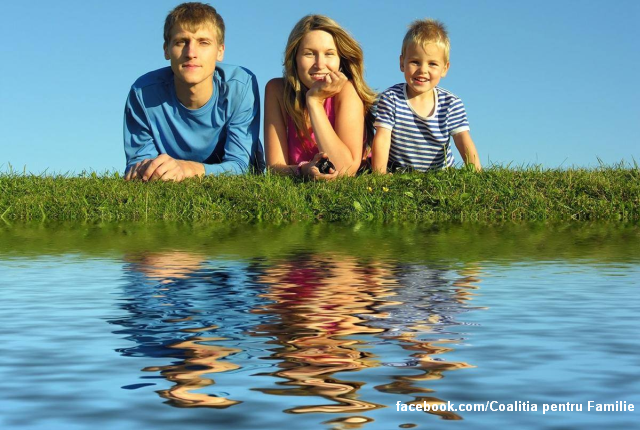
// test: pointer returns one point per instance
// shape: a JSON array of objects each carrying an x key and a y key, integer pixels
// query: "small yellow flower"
[
  {"x": 370, "y": 189},
  {"x": 385, "y": 189}
]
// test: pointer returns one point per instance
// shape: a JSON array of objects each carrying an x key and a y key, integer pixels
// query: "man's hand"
[
  {"x": 164, "y": 168},
  {"x": 137, "y": 170}
]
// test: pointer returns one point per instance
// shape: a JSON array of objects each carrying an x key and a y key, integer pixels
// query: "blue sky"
[{"x": 552, "y": 83}]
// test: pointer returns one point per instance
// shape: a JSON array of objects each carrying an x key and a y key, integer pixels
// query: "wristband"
[{"x": 299, "y": 169}]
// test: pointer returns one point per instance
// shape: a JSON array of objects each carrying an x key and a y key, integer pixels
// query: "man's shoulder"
[
  {"x": 156, "y": 77},
  {"x": 231, "y": 74}
]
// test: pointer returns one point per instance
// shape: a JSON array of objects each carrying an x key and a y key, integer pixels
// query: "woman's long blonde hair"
[{"x": 351, "y": 63}]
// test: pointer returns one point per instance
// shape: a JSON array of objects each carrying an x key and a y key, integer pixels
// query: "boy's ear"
[
  {"x": 445, "y": 70},
  {"x": 166, "y": 51},
  {"x": 220, "y": 56},
  {"x": 401, "y": 64}
]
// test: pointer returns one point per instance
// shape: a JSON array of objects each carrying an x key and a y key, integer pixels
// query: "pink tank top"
[{"x": 297, "y": 151}]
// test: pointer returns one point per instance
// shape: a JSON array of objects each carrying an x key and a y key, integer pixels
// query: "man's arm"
[
  {"x": 139, "y": 146},
  {"x": 242, "y": 134}
]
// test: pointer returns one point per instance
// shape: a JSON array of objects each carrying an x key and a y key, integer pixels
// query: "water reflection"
[
  {"x": 184, "y": 307},
  {"x": 319, "y": 319}
]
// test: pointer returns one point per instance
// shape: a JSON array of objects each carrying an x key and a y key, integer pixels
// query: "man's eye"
[{"x": 205, "y": 42}]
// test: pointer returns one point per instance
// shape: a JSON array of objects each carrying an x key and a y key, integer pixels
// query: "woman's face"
[{"x": 317, "y": 56}]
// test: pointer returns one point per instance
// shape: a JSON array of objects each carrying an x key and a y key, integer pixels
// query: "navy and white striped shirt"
[{"x": 417, "y": 142}]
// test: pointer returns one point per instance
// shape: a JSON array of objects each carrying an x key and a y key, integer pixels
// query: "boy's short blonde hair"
[
  {"x": 192, "y": 16},
  {"x": 424, "y": 31}
]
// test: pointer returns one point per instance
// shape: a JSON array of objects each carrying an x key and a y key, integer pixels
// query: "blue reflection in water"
[{"x": 186, "y": 308}]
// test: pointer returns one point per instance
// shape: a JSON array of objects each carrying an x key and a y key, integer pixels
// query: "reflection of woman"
[
  {"x": 318, "y": 108},
  {"x": 324, "y": 304},
  {"x": 318, "y": 302}
]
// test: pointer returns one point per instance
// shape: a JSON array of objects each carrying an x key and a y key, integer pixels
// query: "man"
[{"x": 195, "y": 117}]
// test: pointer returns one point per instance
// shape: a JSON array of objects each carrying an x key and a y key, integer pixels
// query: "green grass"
[{"x": 497, "y": 193}]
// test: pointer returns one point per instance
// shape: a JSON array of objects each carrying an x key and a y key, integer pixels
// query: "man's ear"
[
  {"x": 220, "y": 53},
  {"x": 166, "y": 51},
  {"x": 401, "y": 64}
]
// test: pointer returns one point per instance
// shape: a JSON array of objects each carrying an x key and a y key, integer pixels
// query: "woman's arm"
[
  {"x": 275, "y": 137},
  {"x": 275, "y": 130},
  {"x": 344, "y": 144}
]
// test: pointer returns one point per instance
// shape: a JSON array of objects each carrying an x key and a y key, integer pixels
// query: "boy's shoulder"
[
  {"x": 397, "y": 89},
  {"x": 446, "y": 95}
]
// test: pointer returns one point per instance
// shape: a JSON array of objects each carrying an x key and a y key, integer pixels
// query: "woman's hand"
[
  {"x": 310, "y": 171},
  {"x": 327, "y": 88}
]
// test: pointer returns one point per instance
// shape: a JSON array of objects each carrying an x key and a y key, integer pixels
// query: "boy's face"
[
  {"x": 423, "y": 66},
  {"x": 193, "y": 55}
]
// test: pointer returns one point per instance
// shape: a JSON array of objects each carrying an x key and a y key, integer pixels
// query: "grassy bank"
[{"x": 495, "y": 194}]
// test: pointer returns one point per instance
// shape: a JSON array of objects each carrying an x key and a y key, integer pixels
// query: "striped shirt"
[{"x": 417, "y": 142}]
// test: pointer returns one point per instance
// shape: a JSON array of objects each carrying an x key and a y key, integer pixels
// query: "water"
[{"x": 316, "y": 326}]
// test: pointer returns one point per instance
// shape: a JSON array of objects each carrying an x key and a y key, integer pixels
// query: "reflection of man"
[{"x": 195, "y": 117}]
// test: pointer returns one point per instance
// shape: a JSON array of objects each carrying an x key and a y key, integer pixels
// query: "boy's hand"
[
  {"x": 327, "y": 88},
  {"x": 467, "y": 149}
]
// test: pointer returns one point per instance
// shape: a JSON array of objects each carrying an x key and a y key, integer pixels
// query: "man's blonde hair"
[
  {"x": 424, "y": 31},
  {"x": 192, "y": 16}
]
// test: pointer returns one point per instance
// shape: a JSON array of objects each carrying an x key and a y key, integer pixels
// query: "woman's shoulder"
[
  {"x": 348, "y": 92},
  {"x": 275, "y": 84}
]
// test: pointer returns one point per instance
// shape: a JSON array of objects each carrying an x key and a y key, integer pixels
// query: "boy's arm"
[
  {"x": 242, "y": 134},
  {"x": 380, "y": 150},
  {"x": 467, "y": 149}
]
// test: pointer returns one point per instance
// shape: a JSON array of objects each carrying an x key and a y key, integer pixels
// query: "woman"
[{"x": 321, "y": 107}]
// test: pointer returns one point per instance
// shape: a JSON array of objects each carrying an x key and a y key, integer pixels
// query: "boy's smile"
[
  {"x": 423, "y": 67},
  {"x": 193, "y": 57}
]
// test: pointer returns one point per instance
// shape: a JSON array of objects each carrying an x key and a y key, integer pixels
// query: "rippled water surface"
[{"x": 317, "y": 326}]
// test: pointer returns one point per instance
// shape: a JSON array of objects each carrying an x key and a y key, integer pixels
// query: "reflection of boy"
[
  {"x": 195, "y": 117},
  {"x": 416, "y": 119}
]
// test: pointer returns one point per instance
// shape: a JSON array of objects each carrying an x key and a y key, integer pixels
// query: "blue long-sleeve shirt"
[{"x": 223, "y": 134}]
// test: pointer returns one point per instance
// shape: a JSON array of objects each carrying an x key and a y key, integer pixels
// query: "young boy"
[
  {"x": 415, "y": 119},
  {"x": 195, "y": 117}
]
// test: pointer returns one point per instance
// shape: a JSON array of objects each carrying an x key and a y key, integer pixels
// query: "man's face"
[{"x": 193, "y": 55}]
